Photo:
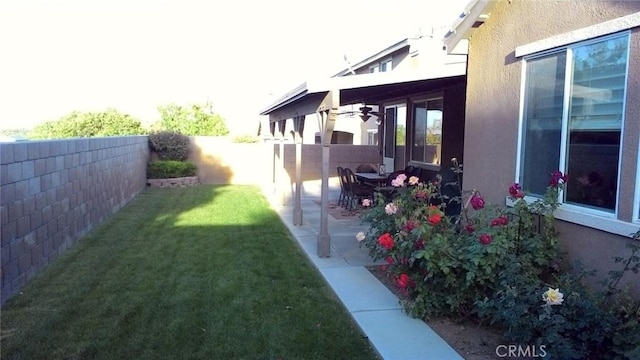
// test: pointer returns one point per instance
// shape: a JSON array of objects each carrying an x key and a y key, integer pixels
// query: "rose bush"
[{"x": 501, "y": 264}]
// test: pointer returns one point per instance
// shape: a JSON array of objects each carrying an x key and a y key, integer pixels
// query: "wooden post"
[
  {"x": 327, "y": 113},
  {"x": 298, "y": 128},
  {"x": 280, "y": 177}
]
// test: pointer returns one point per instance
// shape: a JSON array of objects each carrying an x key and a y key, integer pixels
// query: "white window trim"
[
  {"x": 604, "y": 28},
  {"x": 596, "y": 219}
]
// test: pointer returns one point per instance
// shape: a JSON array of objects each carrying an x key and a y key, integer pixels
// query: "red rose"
[
  {"x": 500, "y": 221},
  {"x": 410, "y": 225},
  {"x": 477, "y": 202},
  {"x": 434, "y": 216},
  {"x": 516, "y": 191},
  {"x": 557, "y": 178},
  {"x": 403, "y": 280},
  {"x": 389, "y": 260},
  {"x": 386, "y": 241},
  {"x": 434, "y": 219},
  {"x": 470, "y": 228},
  {"x": 485, "y": 239}
]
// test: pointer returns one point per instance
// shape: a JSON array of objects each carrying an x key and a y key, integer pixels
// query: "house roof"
[
  {"x": 377, "y": 56},
  {"x": 365, "y": 88},
  {"x": 475, "y": 14}
]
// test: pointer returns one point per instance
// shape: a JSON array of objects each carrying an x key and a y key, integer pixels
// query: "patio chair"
[
  {"x": 358, "y": 191},
  {"x": 342, "y": 198}
]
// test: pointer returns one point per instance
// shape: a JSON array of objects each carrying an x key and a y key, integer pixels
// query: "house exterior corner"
[{"x": 504, "y": 112}]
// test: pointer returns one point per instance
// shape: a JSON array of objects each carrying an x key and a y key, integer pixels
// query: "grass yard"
[{"x": 206, "y": 272}]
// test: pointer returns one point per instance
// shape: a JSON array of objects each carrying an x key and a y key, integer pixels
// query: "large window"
[
  {"x": 572, "y": 120},
  {"x": 426, "y": 142}
]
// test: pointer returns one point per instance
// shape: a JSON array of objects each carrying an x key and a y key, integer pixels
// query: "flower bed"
[{"x": 501, "y": 265}]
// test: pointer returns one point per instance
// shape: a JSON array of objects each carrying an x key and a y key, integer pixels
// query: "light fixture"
[{"x": 366, "y": 112}]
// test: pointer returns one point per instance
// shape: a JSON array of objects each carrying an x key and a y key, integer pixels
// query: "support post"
[
  {"x": 272, "y": 152},
  {"x": 281, "y": 178},
  {"x": 327, "y": 113},
  {"x": 298, "y": 128}
]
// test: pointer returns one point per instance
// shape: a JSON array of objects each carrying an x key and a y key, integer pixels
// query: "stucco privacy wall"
[
  {"x": 53, "y": 192},
  {"x": 347, "y": 156},
  {"x": 493, "y": 98},
  {"x": 220, "y": 161}
]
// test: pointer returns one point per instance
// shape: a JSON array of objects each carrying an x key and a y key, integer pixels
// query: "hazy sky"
[{"x": 133, "y": 55}]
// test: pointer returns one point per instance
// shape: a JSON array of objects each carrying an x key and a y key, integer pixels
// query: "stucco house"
[
  {"x": 554, "y": 85},
  {"x": 419, "y": 106}
]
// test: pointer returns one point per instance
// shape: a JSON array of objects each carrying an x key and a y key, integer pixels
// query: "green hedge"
[
  {"x": 167, "y": 169},
  {"x": 169, "y": 145}
]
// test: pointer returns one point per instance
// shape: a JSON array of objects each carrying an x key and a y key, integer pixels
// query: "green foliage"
[
  {"x": 194, "y": 119},
  {"x": 494, "y": 263},
  {"x": 169, "y": 145},
  {"x": 167, "y": 169},
  {"x": 89, "y": 124}
]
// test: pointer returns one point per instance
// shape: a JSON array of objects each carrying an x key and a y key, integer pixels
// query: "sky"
[{"x": 59, "y": 56}]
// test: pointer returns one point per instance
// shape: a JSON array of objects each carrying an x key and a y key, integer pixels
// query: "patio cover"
[{"x": 324, "y": 97}]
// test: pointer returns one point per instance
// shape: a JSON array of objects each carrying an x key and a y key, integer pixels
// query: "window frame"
[
  {"x": 386, "y": 62},
  {"x": 600, "y": 219},
  {"x": 410, "y": 142}
]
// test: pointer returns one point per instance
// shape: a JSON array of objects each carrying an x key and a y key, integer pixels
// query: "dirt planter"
[{"x": 174, "y": 182}]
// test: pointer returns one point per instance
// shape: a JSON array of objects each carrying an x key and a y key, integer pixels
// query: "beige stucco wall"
[
  {"x": 493, "y": 98},
  {"x": 221, "y": 161}
]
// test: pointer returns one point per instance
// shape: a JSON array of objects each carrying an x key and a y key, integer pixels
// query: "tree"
[
  {"x": 194, "y": 119},
  {"x": 89, "y": 124}
]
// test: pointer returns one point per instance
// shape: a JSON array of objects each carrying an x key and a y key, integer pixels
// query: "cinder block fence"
[{"x": 53, "y": 192}]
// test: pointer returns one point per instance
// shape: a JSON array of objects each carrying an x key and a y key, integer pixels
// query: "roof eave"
[
  {"x": 378, "y": 56},
  {"x": 363, "y": 80},
  {"x": 475, "y": 14}
]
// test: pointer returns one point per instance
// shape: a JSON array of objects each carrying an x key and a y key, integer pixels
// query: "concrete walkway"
[{"x": 376, "y": 310}]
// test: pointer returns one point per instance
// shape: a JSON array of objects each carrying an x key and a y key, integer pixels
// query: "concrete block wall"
[{"x": 53, "y": 192}]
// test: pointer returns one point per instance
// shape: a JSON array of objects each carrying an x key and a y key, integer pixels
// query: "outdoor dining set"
[{"x": 367, "y": 182}]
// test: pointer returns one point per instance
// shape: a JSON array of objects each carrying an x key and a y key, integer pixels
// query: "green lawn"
[{"x": 206, "y": 272}]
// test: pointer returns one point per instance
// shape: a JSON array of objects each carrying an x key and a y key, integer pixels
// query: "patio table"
[{"x": 374, "y": 179}]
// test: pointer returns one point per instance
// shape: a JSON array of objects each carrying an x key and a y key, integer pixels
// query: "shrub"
[
  {"x": 167, "y": 169},
  {"x": 194, "y": 119},
  {"x": 89, "y": 124},
  {"x": 502, "y": 265},
  {"x": 169, "y": 145}
]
